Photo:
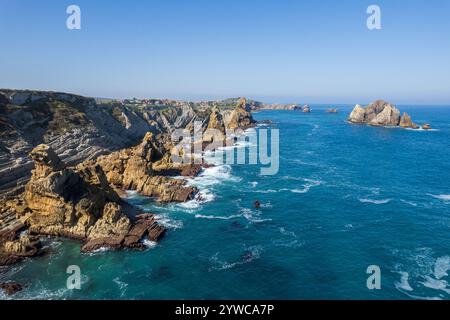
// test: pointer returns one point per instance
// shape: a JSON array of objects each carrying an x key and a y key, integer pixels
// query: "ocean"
[{"x": 346, "y": 197}]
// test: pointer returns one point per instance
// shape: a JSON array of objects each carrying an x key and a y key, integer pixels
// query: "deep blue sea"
[{"x": 346, "y": 197}]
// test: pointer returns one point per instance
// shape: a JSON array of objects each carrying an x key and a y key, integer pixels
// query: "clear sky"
[{"x": 315, "y": 51}]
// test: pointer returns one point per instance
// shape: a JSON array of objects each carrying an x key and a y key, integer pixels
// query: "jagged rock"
[
  {"x": 389, "y": 116},
  {"x": 406, "y": 122},
  {"x": 11, "y": 288},
  {"x": 66, "y": 202},
  {"x": 215, "y": 129},
  {"x": 306, "y": 109},
  {"x": 241, "y": 117},
  {"x": 357, "y": 115},
  {"x": 14, "y": 247},
  {"x": 379, "y": 113},
  {"x": 132, "y": 169},
  {"x": 426, "y": 126}
]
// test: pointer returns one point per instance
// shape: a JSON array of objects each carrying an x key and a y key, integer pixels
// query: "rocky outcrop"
[
  {"x": 215, "y": 128},
  {"x": 77, "y": 203},
  {"x": 15, "y": 246},
  {"x": 426, "y": 126},
  {"x": 80, "y": 128},
  {"x": 406, "y": 122},
  {"x": 132, "y": 169},
  {"x": 10, "y": 288},
  {"x": 380, "y": 113},
  {"x": 332, "y": 110},
  {"x": 241, "y": 116},
  {"x": 306, "y": 109}
]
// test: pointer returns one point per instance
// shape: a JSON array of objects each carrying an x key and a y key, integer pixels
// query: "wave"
[
  {"x": 441, "y": 267},
  {"x": 382, "y": 201},
  {"x": 149, "y": 244},
  {"x": 422, "y": 130},
  {"x": 409, "y": 202},
  {"x": 123, "y": 286},
  {"x": 201, "y": 216},
  {"x": 404, "y": 282},
  {"x": 445, "y": 197},
  {"x": 251, "y": 254},
  {"x": 424, "y": 271},
  {"x": 167, "y": 222},
  {"x": 267, "y": 191}
]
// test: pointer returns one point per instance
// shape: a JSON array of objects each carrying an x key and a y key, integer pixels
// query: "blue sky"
[{"x": 315, "y": 51}]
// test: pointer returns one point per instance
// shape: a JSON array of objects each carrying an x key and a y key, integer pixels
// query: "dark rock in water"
[
  {"x": 257, "y": 204},
  {"x": 426, "y": 126},
  {"x": 11, "y": 288}
]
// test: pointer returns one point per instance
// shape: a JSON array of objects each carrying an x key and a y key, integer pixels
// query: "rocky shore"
[
  {"x": 382, "y": 113},
  {"x": 72, "y": 190}
]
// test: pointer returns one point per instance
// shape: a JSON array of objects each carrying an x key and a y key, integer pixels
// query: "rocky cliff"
[
  {"x": 79, "y": 128},
  {"x": 76, "y": 203}
]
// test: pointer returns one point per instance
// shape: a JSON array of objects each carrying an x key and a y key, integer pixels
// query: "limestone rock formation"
[
  {"x": 406, "y": 122},
  {"x": 215, "y": 128},
  {"x": 132, "y": 169},
  {"x": 357, "y": 115},
  {"x": 380, "y": 113},
  {"x": 15, "y": 246},
  {"x": 241, "y": 117},
  {"x": 306, "y": 109},
  {"x": 77, "y": 203}
]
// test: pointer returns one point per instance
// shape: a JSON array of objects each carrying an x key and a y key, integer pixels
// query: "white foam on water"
[
  {"x": 203, "y": 196},
  {"x": 149, "y": 244},
  {"x": 436, "y": 284},
  {"x": 201, "y": 216},
  {"x": 267, "y": 191},
  {"x": 445, "y": 197},
  {"x": 252, "y": 253},
  {"x": 253, "y": 184},
  {"x": 123, "y": 286},
  {"x": 441, "y": 267},
  {"x": 425, "y": 270},
  {"x": 167, "y": 222},
  {"x": 267, "y": 205},
  {"x": 253, "y": 216},
  {"x": 421, "y": 129},
  {"x": 382, "y": 201},
  {"x": 404, "y": 282},
  {"x": 409, "y": 202},
  {"x": 283, "y": 231}
]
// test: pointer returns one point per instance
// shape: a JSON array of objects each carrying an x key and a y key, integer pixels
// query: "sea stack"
[{"x": 381, "y": 113}]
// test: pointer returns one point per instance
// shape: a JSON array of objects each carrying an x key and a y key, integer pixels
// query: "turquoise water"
[{"x": 346, "y": 197}]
